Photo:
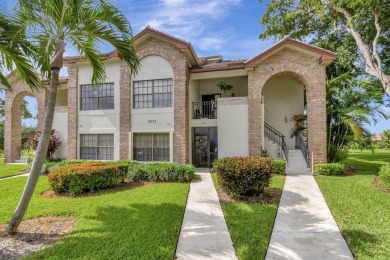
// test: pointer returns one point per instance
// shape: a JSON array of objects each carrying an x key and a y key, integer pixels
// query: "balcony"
[{"x": 206, "y": 109}]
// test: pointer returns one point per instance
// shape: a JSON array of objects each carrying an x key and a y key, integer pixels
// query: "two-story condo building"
[{"x": 172, "y": 109}]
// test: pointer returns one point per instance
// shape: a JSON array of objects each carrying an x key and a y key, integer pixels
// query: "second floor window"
[
  {"x": 97, "y": 97},
  {"x": 153, "y": 93}
]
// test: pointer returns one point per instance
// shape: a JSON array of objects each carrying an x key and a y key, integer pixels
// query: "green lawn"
[
  {"x": 361, "y": 210},
  {"x": 367, "y": 151},
  {"x": 141, "y": 223},
  {"x": 250, "y": 225},
  {"x": 7, "y": 170}
]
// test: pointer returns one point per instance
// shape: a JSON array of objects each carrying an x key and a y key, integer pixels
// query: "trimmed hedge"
[
  {"x": 329, "y": 168},
  {"x": 161, "y": 171},
  {"x": 51, "y": 165},
  {"x": 243, "y": 176},
  {"x": 278, "y": 166},
  {"x": 384, "y": 175},
  {"x": 86, "y": 176}
]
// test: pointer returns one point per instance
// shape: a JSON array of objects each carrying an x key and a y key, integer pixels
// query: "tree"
[
  {"x": 15, "y": 52},
  {"x": 85, "y": 24},
  {"x": 386, "y": 139},
  {"x": 364, "y": 26},
  {"x": 349, "y": 107}
]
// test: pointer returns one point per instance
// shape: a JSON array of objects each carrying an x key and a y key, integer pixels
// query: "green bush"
[
  {"x": 85, "y": 176},
  {"x": 329, "y": 168},
  {"x": 384, "y": 175},
  {"x": 161, "y": 172},
  {"x": 278, "y": 166},
  {"x": 243, "y": 176}
]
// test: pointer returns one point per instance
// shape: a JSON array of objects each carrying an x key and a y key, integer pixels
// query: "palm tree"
[
  {"x": 15, "y": 51},
  {"x": 349, "y": 107},
  {"x": 85, "y": 24}
]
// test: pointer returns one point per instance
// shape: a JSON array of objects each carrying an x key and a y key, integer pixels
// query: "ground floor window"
[
  {"x": 97, "y": 146},
  {"x": 151, "y": 147}
]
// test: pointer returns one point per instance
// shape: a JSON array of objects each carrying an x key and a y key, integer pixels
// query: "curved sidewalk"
[
  {"x": 204, "y": 233},
  {"x": 304, "y": 226}
]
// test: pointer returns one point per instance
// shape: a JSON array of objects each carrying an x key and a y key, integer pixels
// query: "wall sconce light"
[{"x": 285, "y": 119}]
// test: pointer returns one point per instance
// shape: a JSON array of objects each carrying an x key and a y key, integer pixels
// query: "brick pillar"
[
  {"x": 255, "y": 127},
  {"x": 316, "y": 106},
  {"x": 181, "y": 121},
  {"x": 125, "y": 110},
  {"x": 72, "y": 112}
]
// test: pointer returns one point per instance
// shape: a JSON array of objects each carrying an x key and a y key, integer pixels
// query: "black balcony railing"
[{"x": 206, "y": 109}]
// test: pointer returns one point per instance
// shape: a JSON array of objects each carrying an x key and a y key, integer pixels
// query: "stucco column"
[
  {"x": 125, "y": 110},
  {"x": 254, "y": 113},
  {"x": 72, "y": 112}
]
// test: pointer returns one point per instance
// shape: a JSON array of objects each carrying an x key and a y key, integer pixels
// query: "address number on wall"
[{"x": 152, "y": 121}]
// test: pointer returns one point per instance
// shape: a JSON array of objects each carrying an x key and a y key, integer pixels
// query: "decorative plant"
[
  {"x": 299, "y": 124},
  {"x": 224, "y": 86},
  {"x": 54, "y": 143}
]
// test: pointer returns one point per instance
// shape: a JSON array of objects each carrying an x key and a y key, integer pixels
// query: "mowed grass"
[
  {"x": 140, "y": 223},
  {"x": 361, "y": 210},
  {"x": 250, "y": 225},
  {"x": 7, "y": 170}
]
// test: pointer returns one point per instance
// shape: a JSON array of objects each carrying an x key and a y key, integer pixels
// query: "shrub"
[
  {"x": 384, "y": 175},
  {"x": 278, "y": 166},
  {"x": 161, "y": 172},
  {"x": 329, "y": 168},
  {"x": 85, "y": 176},
  {"x": 243, "y": 176},
  {"x": 54, "y": 143}
]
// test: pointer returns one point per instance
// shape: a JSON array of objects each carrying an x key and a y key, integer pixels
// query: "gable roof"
[
  {"x": 183, "y": 46},
  {"x": 325, "y": 56}
]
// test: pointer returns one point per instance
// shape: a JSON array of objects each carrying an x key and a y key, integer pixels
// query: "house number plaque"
[{"x": 152, "y": 121}]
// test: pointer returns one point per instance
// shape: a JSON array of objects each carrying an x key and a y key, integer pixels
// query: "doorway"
[{"x": 204, "y": 146}]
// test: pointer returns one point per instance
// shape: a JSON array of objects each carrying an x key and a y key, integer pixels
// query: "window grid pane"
[
  {"x": 97, "y": 97},
  {"x": 152, "y": 93},
  {"x": 151, "y": 147},
  {"x": 97, "y": 147}
]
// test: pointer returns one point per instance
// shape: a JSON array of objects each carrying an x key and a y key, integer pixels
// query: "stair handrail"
[
  {"x": 304, "y": 148},
  {"x": 277, "y": 137}
]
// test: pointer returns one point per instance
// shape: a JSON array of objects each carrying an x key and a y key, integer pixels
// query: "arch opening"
[{"x": 283, "y": 103}]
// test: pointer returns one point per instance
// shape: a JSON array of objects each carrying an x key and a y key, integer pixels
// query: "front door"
[{"x": 204, "y": 146}]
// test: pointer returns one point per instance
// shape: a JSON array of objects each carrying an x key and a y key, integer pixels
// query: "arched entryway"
[
  {"x": 283, "y": 99},
  {"x": 13, "y": 117},
  {"x": 309, "y": 72}
]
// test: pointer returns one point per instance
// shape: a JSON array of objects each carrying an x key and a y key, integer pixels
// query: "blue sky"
[{"x": 224, "y": 27}]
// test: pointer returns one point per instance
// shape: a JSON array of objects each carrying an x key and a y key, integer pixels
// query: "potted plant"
[{"x": 223, "y": 86}]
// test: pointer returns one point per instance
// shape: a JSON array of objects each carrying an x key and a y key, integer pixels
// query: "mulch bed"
[
  {"x": 34, "y": 235},
  {"x": 270, "y": 196}
]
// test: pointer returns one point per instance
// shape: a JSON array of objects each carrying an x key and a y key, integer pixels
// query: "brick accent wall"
[
  {"x": 312, "y": 74},
  {"x": 179, "y": 62},
  {"x": 125, "y": 110},
  {"x": 72, "y": 112},
  {"x": 13, "y": 117}
]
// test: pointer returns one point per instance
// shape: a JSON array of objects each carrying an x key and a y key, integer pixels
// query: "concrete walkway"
[
  {"x": 304, "y": 226},
  {"x": 204, "y": 233}
]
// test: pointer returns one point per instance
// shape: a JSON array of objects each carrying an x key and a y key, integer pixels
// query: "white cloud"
[{"x": 182, "y": 18}]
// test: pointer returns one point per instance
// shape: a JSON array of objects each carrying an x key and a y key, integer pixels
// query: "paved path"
[
  {"x": 304, "y": 226},
  {"x": 204, "y": 234}
]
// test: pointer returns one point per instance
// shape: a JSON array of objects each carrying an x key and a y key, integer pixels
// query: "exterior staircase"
[
  {"x": 297, "y": 164},
  {"x": 22, "y": 159}
]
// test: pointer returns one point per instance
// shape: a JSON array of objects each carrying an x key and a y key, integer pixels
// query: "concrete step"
[{"x": 296, "y": 163}]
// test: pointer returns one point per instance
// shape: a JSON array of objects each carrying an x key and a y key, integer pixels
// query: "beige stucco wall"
[
  {"x": 153, "y": 119},
  {"x": 283, "y": 97},
  {"x": 100, "y": 121},
  {"x": 232, "y": 127}
]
